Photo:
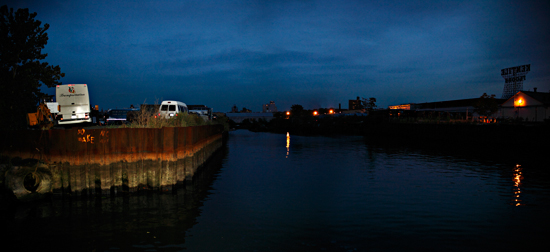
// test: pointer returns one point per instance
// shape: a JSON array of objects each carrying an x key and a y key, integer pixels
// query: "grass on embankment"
[{"x": 148, "y": 119}]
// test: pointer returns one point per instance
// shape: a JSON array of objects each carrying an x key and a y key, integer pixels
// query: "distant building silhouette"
[
  {"x": 269, "y": 107},
  {"x": 355, "y": 104}
]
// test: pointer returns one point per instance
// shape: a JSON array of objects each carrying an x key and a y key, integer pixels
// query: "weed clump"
[
  {"x": 150, "y": 119},
  {"x": 147, "y": 119}
]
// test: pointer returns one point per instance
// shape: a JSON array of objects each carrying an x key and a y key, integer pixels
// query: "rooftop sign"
[
  {"x": 513, "y": 79},
  {"x": 515, "y": 70}
]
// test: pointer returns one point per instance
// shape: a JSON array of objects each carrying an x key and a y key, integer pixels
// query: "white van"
[
  {"x": 168, "y": 109},
  {"x": 74, "y": 104}
]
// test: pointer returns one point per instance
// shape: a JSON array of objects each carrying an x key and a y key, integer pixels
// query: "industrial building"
[
  {"x": 530, "y": 106},
  {"x": 460, "y": 108}
]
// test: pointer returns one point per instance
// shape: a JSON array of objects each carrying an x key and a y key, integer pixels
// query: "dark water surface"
[{"x": 267, "y": 192}]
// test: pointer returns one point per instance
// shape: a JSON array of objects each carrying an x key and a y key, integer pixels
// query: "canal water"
[{"x": 272, "y": 192}]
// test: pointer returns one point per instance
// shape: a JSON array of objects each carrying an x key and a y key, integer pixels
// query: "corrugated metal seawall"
[{"x": 94, "y": 161}]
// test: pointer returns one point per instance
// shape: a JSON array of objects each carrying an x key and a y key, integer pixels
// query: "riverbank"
[{"x": 522, "y": 141}]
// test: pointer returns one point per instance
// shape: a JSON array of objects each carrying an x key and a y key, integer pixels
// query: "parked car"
[{"x": 120, "y": 116}]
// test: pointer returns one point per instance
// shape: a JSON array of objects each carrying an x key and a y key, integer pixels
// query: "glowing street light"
[
  {"x": 520, "y": 102},
  {"x": 315, "y": 113}
]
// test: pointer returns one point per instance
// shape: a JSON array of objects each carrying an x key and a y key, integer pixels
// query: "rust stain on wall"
[{"x": 124, "y": 159}]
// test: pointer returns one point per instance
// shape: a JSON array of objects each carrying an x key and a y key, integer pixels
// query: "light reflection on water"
[
  {"x": 287, "y": 144},
  {"x": 337, "y": 193},
  {"x": 517, "y": 183},
  {"x": 327, "y": 193}
]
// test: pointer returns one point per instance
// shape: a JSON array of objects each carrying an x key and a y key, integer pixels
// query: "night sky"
[{"x": 313, "y": 53}]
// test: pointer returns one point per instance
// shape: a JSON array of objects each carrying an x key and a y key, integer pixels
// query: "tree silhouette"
[
  {"x": 486, "y": 105},
  {"x": 21, "y": 70},
  {"x": 364, "y": 103},
  {"x": 369, "y": 104},
  {"x": 296, "y": 110}
]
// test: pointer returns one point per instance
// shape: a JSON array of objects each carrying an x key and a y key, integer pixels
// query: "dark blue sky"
[{"x": 313, "y": 53}]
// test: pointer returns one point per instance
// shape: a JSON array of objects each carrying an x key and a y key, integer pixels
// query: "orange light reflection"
[
  {"x": 287, "y": 144},
  {"x": 517, "y": 183}
]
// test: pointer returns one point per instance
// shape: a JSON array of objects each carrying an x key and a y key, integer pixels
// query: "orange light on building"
[
  {"x": 315, "y": 113},
  {"x": 288, "y": 113},
  {"x": 519, "y": 102},
  {"x": 331, "y": 111}
]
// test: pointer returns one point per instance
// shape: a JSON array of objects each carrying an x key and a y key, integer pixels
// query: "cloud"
[
  {"x": 251, "y": 61},
  {"x": 253, "y": 51}
]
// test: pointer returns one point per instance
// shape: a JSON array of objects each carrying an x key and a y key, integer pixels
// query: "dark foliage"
[
  {"x": 22, "y": 71},
  {"x": 486, "y": 105}
]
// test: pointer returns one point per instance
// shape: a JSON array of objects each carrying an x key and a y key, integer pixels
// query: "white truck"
[{"x": 74, "y": 104}]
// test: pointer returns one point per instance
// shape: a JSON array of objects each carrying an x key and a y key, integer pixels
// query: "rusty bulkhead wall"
[{"x": 104, "y": 161}]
